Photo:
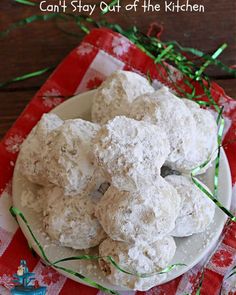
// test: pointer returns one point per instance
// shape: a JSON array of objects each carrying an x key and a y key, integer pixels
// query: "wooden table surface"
[{"x": 42, "y": 44}]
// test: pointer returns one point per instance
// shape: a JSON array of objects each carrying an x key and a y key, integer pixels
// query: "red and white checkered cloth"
[{"x": 101, "y": 53}]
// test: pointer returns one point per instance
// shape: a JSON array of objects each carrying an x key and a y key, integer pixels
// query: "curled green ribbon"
[
  {"x": 16, "y": 212},
  {"x": 233, "y": 272},
  {"x": 122, "y": 269},
  {"x": 25, "y": 2},
  {"x": 195, "y": 171},
  {"x": 200, "y": 284},
  {"x": 106, "y": 10},
  {"x": 26, "y": 76},
  {"x": 29, "y": 20},
  {"x": 160, "y": 52},
  {"x": 209, "y": 61}
]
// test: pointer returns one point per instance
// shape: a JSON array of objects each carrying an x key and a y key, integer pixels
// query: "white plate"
[{"x": 189, "y": 250}]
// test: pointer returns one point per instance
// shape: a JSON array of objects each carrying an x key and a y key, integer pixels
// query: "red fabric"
[{"x": 101, "y": 52}]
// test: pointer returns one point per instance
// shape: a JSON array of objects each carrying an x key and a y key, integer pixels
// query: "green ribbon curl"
[
  {"x": 16, "y": 212},
  {"x": 233, "y": 272},
  {"x": 26, "y": 2},
  {"x": 29, "y": 20},
  {"x": 159, "y": 52},
  {"x": 106, "y": 10},
  {"x": 26, "y": 76},
  {"x": 196, "y": 170}
]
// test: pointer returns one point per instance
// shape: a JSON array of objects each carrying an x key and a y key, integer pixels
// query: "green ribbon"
[
  {"x": 149, "y": 78},
  {"x": 221, "y": 123},
  {"x": 159, "y": 51},
  {"x": 207, "y": 193},
  {"x": 87, "y": 280},
  {"x": 213, "y": 197},
  {"x": 201, "y": 54},
  {"x": 200, "y": 284},
  {"x": 109, "y": 6},
  {"x": 144, "y": 275},
  {"x": 16, "y": 212},
  {"x": 233, "y": 272},
  {"x": 209, "y": 61},
  {"x": 160, "y": 57},
  {"x": 26, "y": 76},
  {"x": 25, "y": 2},
  {"x": 117, "y": 266},
  {"x": 29, "y": 20}
]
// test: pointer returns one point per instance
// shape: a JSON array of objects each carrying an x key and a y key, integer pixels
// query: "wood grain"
[{"x": 43, "y": 44}]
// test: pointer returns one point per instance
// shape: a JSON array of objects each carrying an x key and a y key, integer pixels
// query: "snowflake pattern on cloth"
[
  {"x": 120, "y": 46},
  {"x": 6, "y": 281},
  {"x": 13, "y": 143},
  {"x": 49, "y": 275},
  {"x": 52, "y": 98},
  {"x": 84, "y": 49},
  {"x": 222, "y": 258},
  {"x": 112, "y": 53},
  {"x": 229, "y": 105},
  {"x": 94, "y": 83},
  {"x": 175, "y": 74}
]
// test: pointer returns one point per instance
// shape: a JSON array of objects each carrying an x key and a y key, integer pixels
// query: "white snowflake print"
[
  {"x": 228, "y": 105},
  {"x": 120, "y": 46},
  {"x": 6, "y": 281},
  {"x": 52, "y": 98},
  {"x": 174, "y": 74},
  {"x": 13, "y": 143},
  {"x": 84, "y": 49}
]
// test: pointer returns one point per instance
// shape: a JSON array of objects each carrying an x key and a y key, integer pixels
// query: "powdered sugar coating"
[
  {"x": 136, "y": 258},
  {"x": 146, "y": 214},
  {"x": 197, "y": 210},
  {"x": 114, "y": 96},
  {"x": 130, "y": 152},
  {"x": 67, "y": 157},
  {"x": 71, "y": 220},
  {"x": 206, "y": 136},
  {"x": 169, "y": 112},
  {"x": 30, "y": 159},
  {"x": 33, "y": 200}
]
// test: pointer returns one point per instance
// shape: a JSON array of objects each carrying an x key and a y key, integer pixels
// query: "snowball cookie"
[
  {"x": 170, "y": 113},
  {"x": 136, "y": 258},
  {"x": 71, "y": 220},
  {"x": 197, "y": 210},
  {"x": 206, "y": 138},
  {"x": 67, "y": 158},
  {"x": 130, "y": 152},
  {"x": 116, "y": 93},
  {"x": 30, "y": 159},
  {"x": 143, "y": 215}
]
